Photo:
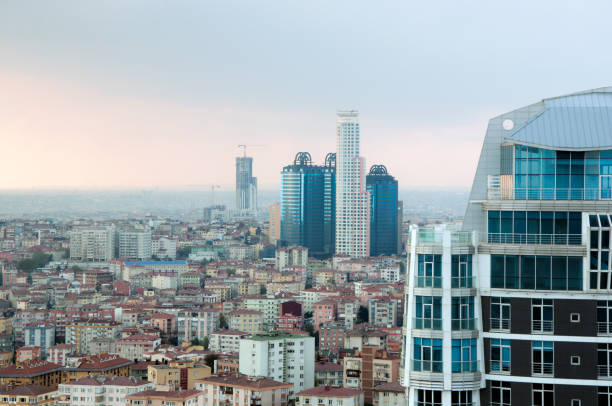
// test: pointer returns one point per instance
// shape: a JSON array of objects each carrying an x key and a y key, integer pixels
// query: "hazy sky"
[{"x": 150, "y": 93}]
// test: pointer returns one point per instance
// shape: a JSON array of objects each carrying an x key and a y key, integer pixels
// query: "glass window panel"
[
  {"x": 546, "y": 222},
  {"x": 603, "y": 219},
  {"x": 494, "y": 222},
  {"x": 605, "y": 239},
  {"x": 533, "y": 222},
  {"x": 559, "y": 273},
  {"x": 543, "y": 273},
  {"x": 563, "y": 163},
  {"x": 521, "y": 167},
  {"x": 520, "y": 224},
  {"x": 527, "y": 272},
  {"x": 593, "y": 222},
  {"x": 594, "y": 259},
  {"x": 575, "y": 223},
  {"x": 534, "y": 167},
  {"x": 574, "y": 273},
  {"x": 506, "y": 222},
  {"x": 548, "y": 166},
  {"x": 594, "y": 239},
  {"x": 548, "y": 153},
  {"x": 521, "y": 151},
  {"x": 534, "y": 153},
  {"x": 604, "y": 260},
  {"x": 497, "y": 271},
  {"x": 512, "y": 272}
]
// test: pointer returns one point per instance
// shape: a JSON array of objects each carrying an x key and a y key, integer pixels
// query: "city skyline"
[{"x": 103, "y": 90}]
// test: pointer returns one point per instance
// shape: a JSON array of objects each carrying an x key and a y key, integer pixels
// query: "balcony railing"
[
  {"x": 604, "y": 328},
  {"x": 462, "y": 282},
  {"x": 427, "y": 324},
  {"x": 500, "y": 324},
  {"x": 545, "y": 368},
  {"x": 562, "y": 194},
  {"x": 428, "y": 281},
  {"x": 465, "y": 366},
  {"x": 538, "y": 239},
  {"x": 542, "y": 326},
  {"x": 426, "y": 366},
  {"x": 463, "y": 324},
  {"x": 604, "y": 371}
]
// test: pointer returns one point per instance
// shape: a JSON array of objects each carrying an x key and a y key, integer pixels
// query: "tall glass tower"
[
  {"x": 382, "y": 188},
  {"x": 516, "y": 308},
  {"x": 352, "y": 200},
  {"x": 307, "y": 204},
  {"x": 246, "y": 184}
]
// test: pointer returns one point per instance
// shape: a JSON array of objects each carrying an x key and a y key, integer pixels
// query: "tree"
[
  {"x": 222, "y": 322},
  {"x": 362, "y": 315},
  {"x": 37, "y": 260},
  {"x": 183, "y": 252},
  {"x": 402, "y": 267},
  {"x": 210, "y": 360},
  {"x": 195, "y": 341},
  {"x": 205, "y": 343}
]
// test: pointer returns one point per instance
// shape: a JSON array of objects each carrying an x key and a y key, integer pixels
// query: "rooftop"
[
  {"x": 331, "y": 391},
  {"x": 245, "y": 382}
]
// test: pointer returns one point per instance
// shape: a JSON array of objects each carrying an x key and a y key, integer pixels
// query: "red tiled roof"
[{"x": 331, "y": 391}]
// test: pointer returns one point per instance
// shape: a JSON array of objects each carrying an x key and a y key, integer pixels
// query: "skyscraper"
[
  {"x": 382, "y": 188},
  {"x": 515, "y": 308},
  {"x": 352, "y": 200},
  {"x": 307, "y": 204},
  {"x": 246, "y": 184}
]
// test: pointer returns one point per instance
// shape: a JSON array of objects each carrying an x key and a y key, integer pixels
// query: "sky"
[{"x": 159, "y": 94}]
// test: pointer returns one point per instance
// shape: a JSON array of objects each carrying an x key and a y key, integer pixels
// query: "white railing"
[
  {"x": 542, "y": 326},
  {"x": 541, "y": 239},
  {"x": 544, "y": 368},
  {"x": 500, "y": 324}
]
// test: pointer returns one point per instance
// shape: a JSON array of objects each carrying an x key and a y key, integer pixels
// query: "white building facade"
[{"x": 352, "y": 199}]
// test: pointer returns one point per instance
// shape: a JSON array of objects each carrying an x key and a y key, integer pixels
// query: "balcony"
[
  {"x": 604, "y": 328},
  {"x": 545, "y": 368},
  {"x": 534, "y": 239},
  {"x": 428, "y": 281},
  {"x": 500, "y": 324},
  {"x": 463, "y": 324},
  {"x": 542, "y": 326},
  {"x": 434, "y": 237},
  {"x": 465, "y": 366},
  {"x": 459, "y": 282},
  {"x": 427, "y": 324},
  {"x": 604, "y": 371},
  {"x": 427, "y": 366}
]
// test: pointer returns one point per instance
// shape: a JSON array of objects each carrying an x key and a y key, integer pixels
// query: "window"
[
  {"x": 500, "y": 355},
  {"x": 462, "y": 313},
  {"x": 429, "y": 273},
  {"x": 500, "y": 313},
  {"x": 575, "y": 317},
  {"x": 600, "y": 275},
  {"x": 461, "y": 398},
  {"x": 575, "y": 360},
  {"x": 428, "y": 312},
  {"x": 543, "y": 395},
  {"x": 604, "y": 396},
  {"x": 464, "y": 355},
  {"x": 500, "y": 393},
  {"x": 534, "y": 227},
  {"x": 604, "y": 360},
  {"x": 461, "y": 271},
  {"x": 429, "y": 398},
  {"x": 427, "y": 354},
  {"x": 542, "y": 358},
  {"x": 604, "y": 317},
  {"x": 575, "y": 402},
  {"x": 536, "y": 272},
  {"x": 541, "y": 315}
]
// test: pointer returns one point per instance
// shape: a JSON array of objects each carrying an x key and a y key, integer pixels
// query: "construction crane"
[{"x": 244, "y": 147}]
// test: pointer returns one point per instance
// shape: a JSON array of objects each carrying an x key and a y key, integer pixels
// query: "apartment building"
[
  {"x": 329, "y": 395},
  {"x": 287, "y": 358},
  {"x": 106, "y": 390},
  {"x": 369, "y": 368},
  {"x": 92, "y": 244},
  {"x": 82, "y": 333},
  {"x": 249, "y": 321},
  {"x": 241, "y": 390},
  {"x": 226, "y": 341}
]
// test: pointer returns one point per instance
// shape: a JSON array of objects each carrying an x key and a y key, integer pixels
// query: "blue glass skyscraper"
[
  {"x": 383, "y": 211},
  {"x": 308, "y": 204}
]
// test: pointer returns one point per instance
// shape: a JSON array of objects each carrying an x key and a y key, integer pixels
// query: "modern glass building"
[
  {"x": 383, "y": 211},
  {"x": 246, "y": 184},
  {"x": 516, "y": 308},
  {"x": 308, "y": 204}
]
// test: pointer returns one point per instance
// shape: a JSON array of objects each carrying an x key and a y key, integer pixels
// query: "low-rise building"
[
  {"x": 329, "y": 395},
  {"x": 165, "y": 398},
  {"x": 28, "y": 353},
  {"x": 250, "y": 321},
  {"x": 57, "y": 354},
  {"x": 99, "y": 364},
  {"x": 28, "y": 395},
  {"x": 226, "y": 340},
  {"x": 241, "y": 390},
  {"x": 328, "y": 373},
  {"x": 389, "y": 394},
  {"x": 134, "y": 346},
  {"x": 102, "y": 389},
  {"x": 35, "y": 372},
  {"x": 177, "y": 375}
]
